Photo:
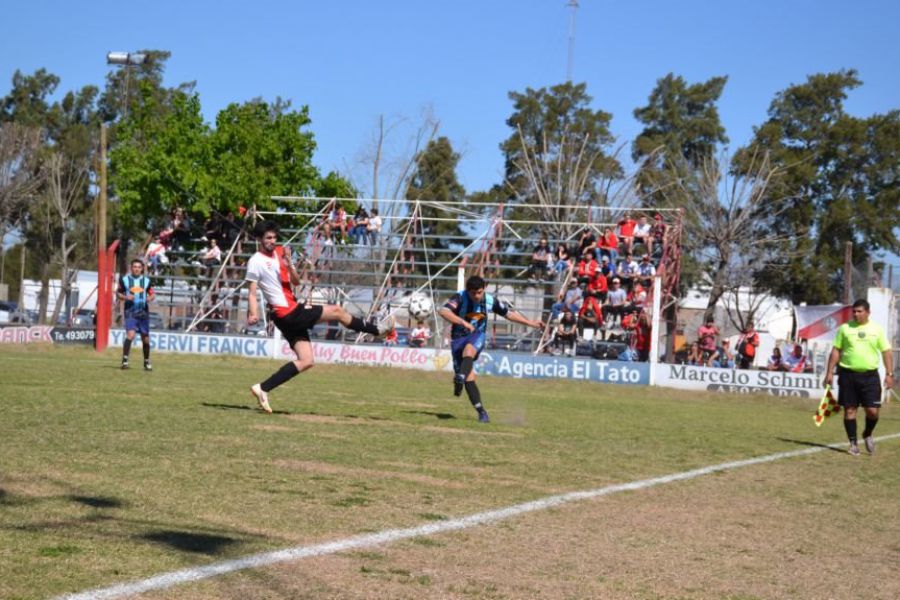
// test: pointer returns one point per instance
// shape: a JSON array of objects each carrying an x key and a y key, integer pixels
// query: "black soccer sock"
[
  {"x": 146, "y": 350},
  {"x": 474, "y": 395},
  {"x": 126, "y": 348},
  {"x": 466, "y": 366},
  {"x": 850, "y": 427},
  {"x": 282, "y": 375},
  {"x": 870, "y": 426},
  {"x": 357, "y": 324}
]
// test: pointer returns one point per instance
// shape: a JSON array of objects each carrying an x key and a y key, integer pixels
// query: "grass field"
[{"x": 109, "y": 476}]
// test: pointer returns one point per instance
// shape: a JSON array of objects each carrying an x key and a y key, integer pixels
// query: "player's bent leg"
[{"x": 305, "y": 358}]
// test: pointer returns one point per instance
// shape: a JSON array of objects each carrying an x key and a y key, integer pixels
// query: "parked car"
[{"x": 83, "y": 317}]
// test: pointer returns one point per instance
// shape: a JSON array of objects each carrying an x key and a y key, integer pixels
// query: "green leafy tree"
[
  {"x": 558, "y": 154},
  {"x": 675, "y": 152},
  {"x": 839, "y": 184},
  {"x": 434, "y": 180},
  {"x": 27, "y": 102},
  {"x": 261, "y": 150}
]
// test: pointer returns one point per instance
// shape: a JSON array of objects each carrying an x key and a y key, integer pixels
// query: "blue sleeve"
[
  {"x": 454, "y": 303},
  {"x": 500, "y": 307}
]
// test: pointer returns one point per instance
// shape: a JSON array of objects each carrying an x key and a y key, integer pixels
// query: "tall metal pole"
[{"x": 573, "y": 4}]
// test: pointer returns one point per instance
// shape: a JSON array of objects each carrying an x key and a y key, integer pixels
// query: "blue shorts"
[
  {"x": 138, "y": 321},
  {"x": 476, "y": 338}
]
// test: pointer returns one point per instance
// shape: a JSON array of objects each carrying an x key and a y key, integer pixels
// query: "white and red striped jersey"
[{"x": 273, "y": 279}]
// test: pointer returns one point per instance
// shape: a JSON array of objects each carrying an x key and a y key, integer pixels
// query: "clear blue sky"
[{"x": 351, "y": 61}]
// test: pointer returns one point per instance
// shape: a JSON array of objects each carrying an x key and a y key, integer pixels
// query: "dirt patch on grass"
[
  {"x": 458, "y": 431},
  {"x": 330, "y": 469},
  {"x": 280, "y": 428}
]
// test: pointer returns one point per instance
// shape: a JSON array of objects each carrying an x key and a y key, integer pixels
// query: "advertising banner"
[
  {"x": 25, "y": 334},
  {"x": 403, "y": 357},
  {"x": 774, "y": 383},
  {"x": 71, "y": 335},
  {"x": 196, "y": 343},
  {"x": 508, "y": 364}
]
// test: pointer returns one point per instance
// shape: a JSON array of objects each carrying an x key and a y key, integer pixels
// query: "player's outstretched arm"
[
  {"x": 451, "y": 317},
  {"x": 516, "y": 317}
]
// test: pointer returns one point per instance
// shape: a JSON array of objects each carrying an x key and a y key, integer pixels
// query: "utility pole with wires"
[{"x": 573, "y": 4}]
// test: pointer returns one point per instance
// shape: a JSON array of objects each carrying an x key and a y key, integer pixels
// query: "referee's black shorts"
[
  {"x": 295, "y": 325},
  {"x": 859, "y": 388}
]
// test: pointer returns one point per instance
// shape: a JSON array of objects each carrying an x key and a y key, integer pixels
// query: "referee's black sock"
[
  {"x": 282, "y": 375},
  {"x": 870, "y": 426},
  {"x": 474, "y": 395},
  {"x": 126, "y": 348},
  {"x": 357, "y": 324},
  {"x": 850, "y": 427}
]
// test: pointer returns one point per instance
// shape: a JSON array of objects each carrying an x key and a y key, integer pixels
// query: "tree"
[
  {"x": 433, "y": 182},
  {"x": 839, "y": 184},
  {"x": 558, "y": 156},
  {"x": 26, "y": 103}
]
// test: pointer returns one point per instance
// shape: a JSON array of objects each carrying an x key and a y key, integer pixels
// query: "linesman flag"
[{"x": 827, "y": 407}]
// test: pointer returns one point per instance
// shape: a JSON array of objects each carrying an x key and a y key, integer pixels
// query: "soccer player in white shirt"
[{"x": 272, "y": 271}]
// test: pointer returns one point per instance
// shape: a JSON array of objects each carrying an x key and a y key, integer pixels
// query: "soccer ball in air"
[{"x": 420, "y": 306}]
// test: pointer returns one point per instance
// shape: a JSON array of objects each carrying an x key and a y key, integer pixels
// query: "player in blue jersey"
[
  {"x": 467, "y": 311},
  {"x": 136, "y": 292}
]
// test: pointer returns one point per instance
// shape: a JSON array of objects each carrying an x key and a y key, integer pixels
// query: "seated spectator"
[
  {"x": 627, "y": 271},
  {"x": 724, "y": 357},
  {"x": 373, "y": 228},
  {"x": 609, "y": 245},
  {"x": 338, "y": 221},
  {"x": 747, "y": 345},
  {"x": 569, "y": 298},
  {"x": 155, "y": 257},
  {"x": 181, "y": 229},
  {"x": 210, "y": 256},
  {"x": 637, "y": 297},
  {"x": 707, "y": 335},
  {"x": 586, "y": 268},
  {"x": 626, "y": 231},
  {"x": 360, "y": 225},
  {"x": 212, "y": 228},
  {"x": 562, "y": 259},
  {"x": 775, "y": 362},
  {"x": 607, "y": 267},
  {"x": 595, "y": 294},
  {"x": 646, "y": 272},
  {"x": 540, "y": 261},
  {"x": 643, "y": 233},
  {"x": 694, "y": 357},
  {"x": 657, "y": 234},
  {"x": 566, "y": 332},
  {"x": 589, "y": 317},
  {"x": 587, "y": 242},
  {"x": 419, "y": 335},
  {"x": 617, "y": 302},
  {"x": 795, "y": 362}
]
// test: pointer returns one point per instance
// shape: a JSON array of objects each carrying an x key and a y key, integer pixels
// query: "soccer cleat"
[
  {"x": 854, "y": 449},
  {"x": 386, "y": 325},
  {"x": 870, "y": 444},
  {"x": 483, "y": 416},
  {"x": 124, "y": 363},
  {"x": 148, "y": 366},
  {"x": 261, "y": 397},
  {"x": 458, "y": 383}
]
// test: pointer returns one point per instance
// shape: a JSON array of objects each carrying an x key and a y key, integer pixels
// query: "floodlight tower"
[{"x": 573, "y": 4}]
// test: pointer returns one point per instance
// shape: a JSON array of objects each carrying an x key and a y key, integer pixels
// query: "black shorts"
[
  {"x": 857, "y": 388},
  {"x": 295, "y": 325}
]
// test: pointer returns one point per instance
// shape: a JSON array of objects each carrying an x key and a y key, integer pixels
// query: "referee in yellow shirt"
[{"x": 856, "y": 351}]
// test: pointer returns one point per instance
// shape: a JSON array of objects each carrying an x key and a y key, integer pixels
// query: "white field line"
[{"x": 387, "y": 536}]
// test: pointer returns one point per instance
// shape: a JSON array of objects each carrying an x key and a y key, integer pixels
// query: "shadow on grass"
[
  {"x": 200, "y": 543},
  {"x": 813, "y": 444},
  {"x": 97, "y": 501},
  {"x": 428, "y": 413},
  {"x": 242, "y": 407}
]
